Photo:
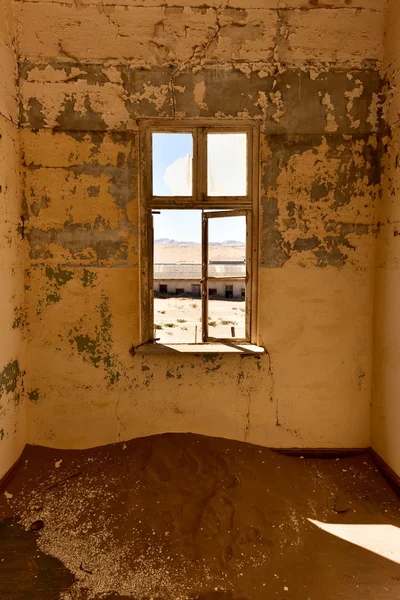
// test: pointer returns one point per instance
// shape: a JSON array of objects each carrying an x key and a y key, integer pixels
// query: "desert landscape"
[
  {"x": 173, "y": 252},
  {"x": 177, "y": 319}
]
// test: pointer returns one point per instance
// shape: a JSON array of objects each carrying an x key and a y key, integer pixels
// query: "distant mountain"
[
  {"x": 231, "y": 243},
  {"x": 169, "y": 242}
]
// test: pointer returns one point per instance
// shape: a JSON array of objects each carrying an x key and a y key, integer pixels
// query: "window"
[
  {"x": 199, "y": 231},
  {"x": 196, "y": 290},
  {"x": 229, "y": 291}
]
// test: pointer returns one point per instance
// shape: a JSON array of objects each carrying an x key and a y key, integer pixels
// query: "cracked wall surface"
[
  {"x": 83, "y": 297},
  {"x": 385, "y": 402},
  {"x": 12, "y": 255},
  {"x": 308, "y": 74}
]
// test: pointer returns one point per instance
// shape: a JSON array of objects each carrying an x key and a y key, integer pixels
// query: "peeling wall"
[
  {"x": 385, "y": 405},
  {"x": 307, "y": 73},
  {"x": 12, "y": 257}
]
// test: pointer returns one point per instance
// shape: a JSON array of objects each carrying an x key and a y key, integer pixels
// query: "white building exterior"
[{"x": 176, "y": 279}]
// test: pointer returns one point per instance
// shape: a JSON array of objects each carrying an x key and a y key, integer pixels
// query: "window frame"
[
  {"x": 150, "y": 204},
  {"x": 223, "y": 214}
]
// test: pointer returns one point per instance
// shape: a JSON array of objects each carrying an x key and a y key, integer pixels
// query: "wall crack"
[
  {"x": 118, "y": 417},
  {"x": 248, "y": 418}
]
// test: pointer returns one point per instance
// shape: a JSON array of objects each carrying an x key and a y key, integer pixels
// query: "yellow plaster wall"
[
  {"x": 12, "y": 305},
  {"x": 311, "y": 389},
  {"x": 159, "y": 32},
  {"x": 308, "y": 76},
  {"x": 386, "y": 404}
]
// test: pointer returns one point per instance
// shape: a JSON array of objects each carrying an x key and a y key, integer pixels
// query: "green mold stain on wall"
[
  {"x": 97, "y": 348},
  {"x": 57, "y": 278},
  {"x": 33, "y": 395},
  {"x": 88, "y": 278},
  {"x": 19, "y": 317},
  {"x": 9, "y": 377},
  {"x": 211, "y": 363}
]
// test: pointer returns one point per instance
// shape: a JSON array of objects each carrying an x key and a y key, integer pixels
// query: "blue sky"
[
  {"x": 167, "y": 148},
  {"x": 185, "y": 225},
  {"x": 180, "y": 225}
]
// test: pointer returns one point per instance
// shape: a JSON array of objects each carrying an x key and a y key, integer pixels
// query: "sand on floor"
[{"x": 181, "y": 516}]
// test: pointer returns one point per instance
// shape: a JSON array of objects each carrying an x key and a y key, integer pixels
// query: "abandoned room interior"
[{"x": 199, "y": 299}]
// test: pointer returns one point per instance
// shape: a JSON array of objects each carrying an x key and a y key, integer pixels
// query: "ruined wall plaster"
[
  {"x": 12, "y": 256},
  {"x": 306, "y": 72},
  {"x": 8, "y": 66},
  {"x": 385, "y": 405}
]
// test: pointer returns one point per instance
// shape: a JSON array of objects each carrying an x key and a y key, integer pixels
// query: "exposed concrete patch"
[
  {"x": 331, "y": 123},
  {"x": 225, "y": 91},
  {"x": 356, "y": 92},
  {"x": 335, "y": 184},
  {"x": 90, "y": 186}
]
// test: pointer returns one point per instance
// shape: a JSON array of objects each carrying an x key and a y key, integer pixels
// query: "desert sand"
[
  {"x": 169, "y": 253},
  {"x": 181, "y": 516},
  {"x": 177, "y": 318}
]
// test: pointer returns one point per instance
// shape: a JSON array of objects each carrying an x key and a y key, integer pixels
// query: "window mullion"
[
  {"x": 196, "y": 165},
  {"x": 202, "y": 165},
  {"x": 248, "y": 286},
  {"x": 204, "y": 281},
  {"x": 150, "y": 249}
]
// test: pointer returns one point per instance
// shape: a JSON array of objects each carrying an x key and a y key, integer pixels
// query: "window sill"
[{"x": 244, "y": 349}]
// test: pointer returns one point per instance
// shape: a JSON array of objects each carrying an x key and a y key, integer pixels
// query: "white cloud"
[
  {"x": 226, "y": 164},
  {"x": 178, "y": 176}
]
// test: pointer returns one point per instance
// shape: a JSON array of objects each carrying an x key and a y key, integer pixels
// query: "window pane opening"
[
  {"x": 177, "y": 276},
  {"x": 227, "y": 164},
  {"x": 172, "y": 158},
  {"x": 227, "y": 277}
]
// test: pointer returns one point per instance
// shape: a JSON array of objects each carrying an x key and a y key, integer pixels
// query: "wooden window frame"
[
  {"x": 214, "y": 205},
  {"x": 224, "y": 214}
]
